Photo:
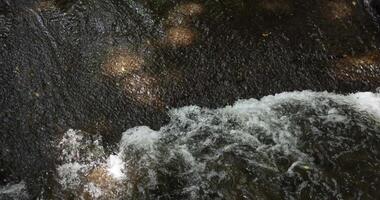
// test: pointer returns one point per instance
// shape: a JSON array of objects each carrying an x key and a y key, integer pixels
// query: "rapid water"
[
  {"x": 295, "y": 145},
  {"x": 14, "y": 191},
  {"x": 105, "y": 66}
]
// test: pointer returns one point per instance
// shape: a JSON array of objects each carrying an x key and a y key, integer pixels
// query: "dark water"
[{"x": 105, "y": 66}]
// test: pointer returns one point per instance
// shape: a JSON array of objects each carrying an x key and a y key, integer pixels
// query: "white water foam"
[
  {"x": 196, "y": 138},
  {"x": 367, "y": 102},
  {"x": 139, "y": 137},
  {"x": 14, "y": 191},
  {"x": 115, "y": 167},
  {"x": 85, "y": 167}
]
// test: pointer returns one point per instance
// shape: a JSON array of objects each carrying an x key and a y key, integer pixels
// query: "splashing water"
[
  {"x": 14, "y": 191},
  {"x": 292, "y": 145}
]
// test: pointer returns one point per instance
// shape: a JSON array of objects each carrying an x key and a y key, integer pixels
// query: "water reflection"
[
  {"x": 190, "y": 9},
  {"x": 122, "y": 62},
  {"x": 180, "y": 31},
  {"x": 276, "y": 6},
  {"x": 143, "y": 88},
  {"x": 338, "y": 9},
  {"x": 180, "y": 36},
  {"x": 46, "y": 5},
  {"x": 359, "y": 67}
]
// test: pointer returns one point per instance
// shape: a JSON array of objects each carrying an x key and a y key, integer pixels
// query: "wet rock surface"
[{"x": 59, "y": 68}]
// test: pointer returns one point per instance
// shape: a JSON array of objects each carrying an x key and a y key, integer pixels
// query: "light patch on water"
[
  {"x": 277, "y": 6},
  {"x": 180, "y": 36},
  {"x": 358, "y": 67},
  {"x": 338, "y": 9},
  {"x": 46, "y": 5},
  {"x": 121, "y": 62},
  {"x": 181, "y": 15},
  {"x": 190, "y": 9},
  {"x": 180, "y": 31},
  {"x": 143, "y": 89}
]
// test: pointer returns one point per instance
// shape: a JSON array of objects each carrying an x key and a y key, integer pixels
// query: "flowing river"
[
  {"x": 295, "y": 145},
  {"x": 189, "y": 99}
]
